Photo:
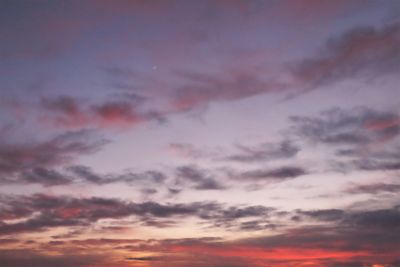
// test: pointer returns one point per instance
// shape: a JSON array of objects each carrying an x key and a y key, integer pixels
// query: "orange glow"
[{"x": 273, "y": 254}]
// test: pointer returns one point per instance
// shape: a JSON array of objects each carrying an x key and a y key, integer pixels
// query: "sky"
[{"x": 191, "y": 133}]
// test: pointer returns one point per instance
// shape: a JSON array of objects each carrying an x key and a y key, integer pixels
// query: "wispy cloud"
[
  {"x": 278, "y": 174},
  {"x": 199, "y": 178},
  {"x": 32, "y": 158},
  {"x": 366, "y": 51},
  {"x": 265, "y": 152},
  {"x": 373, "y": 188}
]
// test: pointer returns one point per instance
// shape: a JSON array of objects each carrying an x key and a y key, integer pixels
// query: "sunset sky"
[{"x": 199, "y": 133}]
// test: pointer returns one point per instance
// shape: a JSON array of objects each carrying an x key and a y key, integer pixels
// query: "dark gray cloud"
[
  {"x": 15, "y": 157},
  {"x": 34, "y": 162},
  {"x": 47, "y": 164},
  {"x": 360, "y": 137},
  {"x": 200, "y": 179},
  {"x": 258, "y": 225},
  {"x": 384, "y": 219},
  {"x": 86, "y": 174},
  {"x": 42, "y": 212},
  {"x": 145, "y": 258},
  {"x": 378, "y": 219},
  {"x": 273, "y": 174},
  {"x": 357, "y": 126},
  {"x": 330, "y": 238},
  {"x": 25, "y": 257},
  {"x": 362, "y": 51},
  {"x": 265, "y": 151},
  {"x": 374, "y": 188},
  {"x": 375, "y": 165},
  {"x": 228, "y": 218},
  {"x": 43, "y": 176},
  {"x": 324, "y": 215},
  {"x": 367, "y": 164}
]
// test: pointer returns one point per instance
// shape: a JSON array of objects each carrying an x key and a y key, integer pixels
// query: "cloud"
[
  {"x": 76, "y": 174},
  {"x": 344, "y": 237},
  {"x": 231, "y": 218},
  {"x": 361, "y": 237},
  {"x": 321, "y": 246},
  {"x": 373, "y": 220},
  {"x": 25, "y": 257},
  {"x": 285, "y": 149},
  {"x": 362, "y": 51},
  {"x": 200, "y": 89},
  {"x": 274, "y": 174},
  {"x": 347, "y": 264},
  {"x": 200, "y": 179},
  {"x": 86, "y": 174},
  {"x": 324, "y": 215},
  {"x": 265, "y": 151},
  {"x": 40, "y": 212},
  {"x": 361, "y": 137},
  {"x": 370, "y": 163},
  {"x": 49, "y": 162},
  {"x": 4, "y": 241},
  {"x": 186, "y": 150},
  {"x": 39, "y": 162},
  {"x": 374, "y": 188},
  {"x": 383, "y": 219},
  {"x": 120, "y": 111},
  {"x": 43, "y": 176},
  {"x": 69, "y": 109},
  {"x": 347, "y": 127},
  {"x": 217, "y": 252},
  {"x": 34, "y": 157},
  {"x": 145, "y": 258},
  {"x": 258, "y": 225},
  {"x": 375, "y": 165}
]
